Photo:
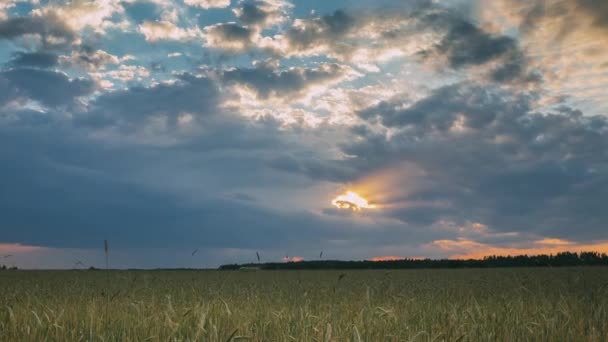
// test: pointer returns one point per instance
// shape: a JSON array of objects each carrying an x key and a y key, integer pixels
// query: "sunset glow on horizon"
[
  {"x": 386, "y": 258},
  {"x": 293, "y": 259}
]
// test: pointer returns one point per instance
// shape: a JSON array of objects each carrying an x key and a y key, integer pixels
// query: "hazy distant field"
[{"x": 414, "y": 305}]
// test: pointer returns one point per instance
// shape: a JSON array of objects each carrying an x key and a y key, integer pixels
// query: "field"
[{"x": 545, "y": 304}]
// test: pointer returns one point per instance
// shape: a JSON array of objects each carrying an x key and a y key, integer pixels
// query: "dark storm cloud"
[
  {"x": 440, "y": 111},
  {"x": 48, "y": 205},
  {"x": 268, "y": 80},
  {"x": 51, "y": 203},
  {"x": 324, "y": 30},
  {"x": 262, "y": 13},
  {"x": 315, "y": 168},
  {"x": 25, "y": 76},
  {"x": 464, "y": 44},
  {"x": 62, "y": 189},
  {"x": 189, "y": 94},
  {"x": 230, "y": 37},
  {"x": 250, "y": 13},
  {"x": 50, "y": 88},
  {"x": 51, "y": 29},
  {"x": 34, "y": 59},
  {"x": 489, "y": 158},
  {"x": 232, "y": 31}
]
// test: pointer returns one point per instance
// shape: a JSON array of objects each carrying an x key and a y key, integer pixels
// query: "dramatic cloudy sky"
[{"x": 197, "y": 132}]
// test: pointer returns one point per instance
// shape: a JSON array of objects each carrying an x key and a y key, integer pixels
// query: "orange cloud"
[
  {"x": 553, "y": 242},
  {"x": 10, "y": 248},
  {"x": 386, "y": 258},
  {"x": 470, "y": 249}
]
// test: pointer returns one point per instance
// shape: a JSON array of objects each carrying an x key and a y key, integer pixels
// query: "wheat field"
[{"x": 548, "y": 304}]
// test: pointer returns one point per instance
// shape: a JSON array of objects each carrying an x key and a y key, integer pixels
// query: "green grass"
[{"x": 556, "y": 304}]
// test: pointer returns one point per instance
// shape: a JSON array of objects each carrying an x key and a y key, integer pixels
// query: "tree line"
[{"x": 562, "y": 259}]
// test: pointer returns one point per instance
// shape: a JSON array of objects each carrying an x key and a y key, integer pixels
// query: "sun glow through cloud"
[
  {"x": 293, "y": 259},
  {"x": 353, "y": 201}
]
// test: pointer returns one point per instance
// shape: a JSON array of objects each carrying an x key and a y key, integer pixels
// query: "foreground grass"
[{"x": 409, "y": 305}]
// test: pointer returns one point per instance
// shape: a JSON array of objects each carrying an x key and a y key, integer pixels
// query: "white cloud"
[
  {"x": 206, "y": 4},
  {"x": 127, "y": 73},
  {"x": 95, "y": 60},
  {"x": 4, "y": 6},
  {"x": 263, "y": 13},
  {"x": 80, "y": 14},
  {"x": 165, "y": 30}
]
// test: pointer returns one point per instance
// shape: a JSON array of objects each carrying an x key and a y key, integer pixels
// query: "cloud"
[
  {"x": 207, "y": 4},
  {"x": 116, "y": 191},
  {"x": 124, "y": 73},
  {"x": 4, "y": 6},
  {"x": 230, "y": 37},
  {"x": 597, "y": 10},
  {"x": 560, "y": 36},
  {"x": 341, "y": 35},
  {"x": 50, "y": 29},
  {"x": 50, "y": 88},
  {"x": 267, "y": 80},
  {"x": 77, "y": 15},
  {"x": 312, "y": 36},
  {"x": 439, "y": 34},
  {"x": 262, "y": 13},
  {"x": 464, "y": 44},
  {"x": 7, "y": 249},
  {"x": 92, "y": 59},
  {"x": 165, "y": 30},
  {"x": 442, "y": 111},
  {"x": 485, "y": 155},
  {"x": 188, "y": 94},
  {"x": 315, "y": 168},
  {"x": 34, "y": 59}
]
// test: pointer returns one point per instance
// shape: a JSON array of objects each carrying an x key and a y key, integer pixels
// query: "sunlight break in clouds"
[{"x": 351, "y": 200}]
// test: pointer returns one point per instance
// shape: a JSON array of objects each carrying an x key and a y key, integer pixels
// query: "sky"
[{"x": 195, "y": 133}]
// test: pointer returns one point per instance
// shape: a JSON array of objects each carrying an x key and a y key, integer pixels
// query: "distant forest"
[{"x": 557, "y": 260}]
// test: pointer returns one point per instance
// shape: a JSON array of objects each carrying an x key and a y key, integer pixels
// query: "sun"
[{"x": 351, "y": 200}]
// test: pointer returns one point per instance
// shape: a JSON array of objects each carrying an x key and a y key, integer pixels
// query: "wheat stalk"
[{"x": 105, "y": 249}]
